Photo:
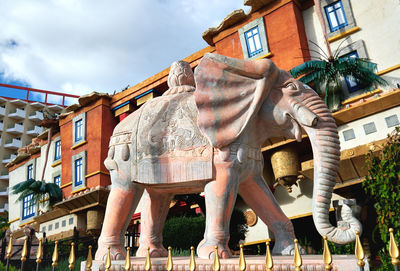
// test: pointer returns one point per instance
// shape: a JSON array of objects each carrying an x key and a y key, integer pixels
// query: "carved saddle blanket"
[{"x": 166, "y": 144}]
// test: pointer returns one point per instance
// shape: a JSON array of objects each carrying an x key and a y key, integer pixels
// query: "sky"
[{"x": 77, "y": 47}]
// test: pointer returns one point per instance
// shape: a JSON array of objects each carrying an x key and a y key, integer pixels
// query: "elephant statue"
[{"x": 205, "y": 134}]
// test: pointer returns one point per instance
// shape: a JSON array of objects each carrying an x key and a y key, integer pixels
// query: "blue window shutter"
[{"x": 336, "y": 16}]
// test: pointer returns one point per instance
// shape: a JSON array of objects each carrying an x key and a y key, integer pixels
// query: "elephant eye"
[{"x": 291, "y": 86}]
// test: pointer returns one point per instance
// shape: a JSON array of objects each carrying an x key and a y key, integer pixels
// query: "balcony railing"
[
  {"x": 8, "y": 158},
  {"x": 4, "y": 192},
  {"x": 36, "y": 116},
  {"x": 13, "y": 144},
  {"x": 4, "y": 175},
  {"x": 35, "y": 131},
  {"x": 15, "y": 128},
  {"x": 17, "y": 113},
  {"x": 2, "y": 111}
]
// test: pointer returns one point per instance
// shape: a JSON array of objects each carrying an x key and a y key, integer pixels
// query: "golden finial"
[
  {"x": 147, "y": 263},
  {"x": 128, "y": 259},
  {"x": 297, "y": 257},
  {"x": 217, "y": 265},
  {"x": 39, "y": 254},
  {"x": 359, "y": 251},
  {"x": 327, "y": 255},
  {"x": 71, "y": 259},
  {"x": 89, "y": 260},
  {"x": 55, "y": 255},
  {"x": 24, "y": 252},
  {"x": 242, "y": 261},
  {"x": 192, "y": 264},
  {"x": 9, "y": 247},
  {"x": 269, "y": 263},
  {"x": 169, "y": 260},
  {"x": 393, "y": 249},
  {"x": 107, "y": 263}
]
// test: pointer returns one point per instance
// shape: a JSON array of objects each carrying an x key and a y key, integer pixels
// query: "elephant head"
[{"x": 251, "y": 101}]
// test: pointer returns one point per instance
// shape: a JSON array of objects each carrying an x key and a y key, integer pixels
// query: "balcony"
[
  {"x": 2, "y": 110},
  {"x": 4, "y": 192},
  {"x": 35, "y": 131},
  {"x": 8, "y": 158},
  {"x": 17, "y": 113},
  {"x": 13, "y": 144},
  {"x": 15, "y": 129},
  {"x": 36, "y": 116},
  {"x": 4, "y": 176},
  {"x": 4, "y": 208}
]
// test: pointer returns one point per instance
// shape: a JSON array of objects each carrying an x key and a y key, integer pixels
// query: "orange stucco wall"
[
  {"x": 99, "y": 126},
  {"x": 286, "y": 37}
]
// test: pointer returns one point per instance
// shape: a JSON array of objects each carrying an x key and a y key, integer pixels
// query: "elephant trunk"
[{"x": 326, "y": 150}]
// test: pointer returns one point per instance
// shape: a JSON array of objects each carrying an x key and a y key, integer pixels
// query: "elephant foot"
[
  {"x": 205, "y": 250},
  {"x": 285, "y": 248},
  {"x": 155, "y": 251},
  {"x": 116, "y": 252}
]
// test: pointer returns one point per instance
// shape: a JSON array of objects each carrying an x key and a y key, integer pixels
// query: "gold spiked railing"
[{"x": 327, "y": 258}]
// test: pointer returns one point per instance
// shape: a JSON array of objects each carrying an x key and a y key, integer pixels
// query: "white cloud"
[{"x": 81, "y": 46}]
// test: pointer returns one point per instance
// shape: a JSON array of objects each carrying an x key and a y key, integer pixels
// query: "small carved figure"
[{"x": 208, "y": 139}]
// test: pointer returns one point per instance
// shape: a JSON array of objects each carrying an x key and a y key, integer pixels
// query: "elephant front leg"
[
  {"x": 153, "y": 217},
  {"x": 257, "y": 195},
  {"x": 220, "y": 197},
  {"x": 121, "y": 204}
]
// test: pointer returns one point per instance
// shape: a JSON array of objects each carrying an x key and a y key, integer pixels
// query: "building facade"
[
  {"x": 284, "y": 31},
  {"x": 20, "y": 122}
]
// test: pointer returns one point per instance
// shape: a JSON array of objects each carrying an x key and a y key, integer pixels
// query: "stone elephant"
[{"x": 205, "y": 134}]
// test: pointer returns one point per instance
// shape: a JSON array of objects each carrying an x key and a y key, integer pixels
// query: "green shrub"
[
  {"x": 181, "y": 233},
  {"x": 63, "y": 265},
  {"x": 10, "y": 267}
]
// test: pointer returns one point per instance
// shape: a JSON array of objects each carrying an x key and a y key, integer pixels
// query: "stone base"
[{"x": 253, "y": 263}]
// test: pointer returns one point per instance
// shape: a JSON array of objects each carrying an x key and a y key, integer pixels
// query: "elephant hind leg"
[
  {"x": 257, "y": 195},
  {"x": 156, "y": 207}
]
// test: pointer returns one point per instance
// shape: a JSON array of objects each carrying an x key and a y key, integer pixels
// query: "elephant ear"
[{"x": 229, "y": 92}]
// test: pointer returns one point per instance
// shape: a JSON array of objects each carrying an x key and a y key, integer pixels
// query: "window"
[
  {"x": 351, "y": 83},
  {"x": 28, "y": 207},
  {"x": 336, "y": 16},
  {"x": 63, "y": 223},
  {"x": 348, "y": 135},
  {"x": 78, "y": 172},
  {"x": 57, "y": 152},
  {"x": 57, "y": 180},
  {"x": 78, "y": 130},
  {"x": 29, "y": 173},
  {"x": 369, "y": 128},
  {"x": 253, "y": 41},
  {"x": 392, "y": 121},
  {"x": 57, "y": 225},
  {"x": 50, "y": 227},
  {"x": 71, "y": 221}
]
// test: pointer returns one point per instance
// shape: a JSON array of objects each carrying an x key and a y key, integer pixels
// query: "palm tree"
[
  {"x": 330, "y": 70},
  {"x": 40, "y": 189}
]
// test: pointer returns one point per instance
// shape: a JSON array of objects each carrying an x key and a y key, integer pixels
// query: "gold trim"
[
  {"x": 344, "y": 34},
  {"x": 256, "y": 242},
  {"x": 95, "y": 173},
  {"x": 65, "y": 185},
  {"x": 56, "y": 164},
  {"x": 390, "y": 69},
  {"x": 361, "y": 96},
  {"x": 78, "y": 145},
  {"x": 14, "y": 220},
  {"x": 79, "y": 190},
  {"x": 268, "y": 55},
  {"x": 307, "y": 214},
  {"x": 26, "y": 223}
]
